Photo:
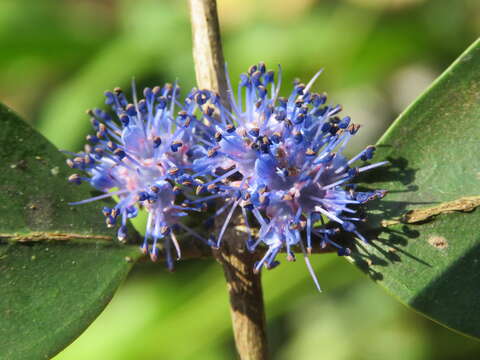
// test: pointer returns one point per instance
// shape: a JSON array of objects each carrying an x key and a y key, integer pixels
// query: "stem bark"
[{"x": 244, "y": 287}]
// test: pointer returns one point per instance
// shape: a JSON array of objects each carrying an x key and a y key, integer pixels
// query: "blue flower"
[
  {"x": 141, "y": 153},
  {"x": 282, "y": 160}
]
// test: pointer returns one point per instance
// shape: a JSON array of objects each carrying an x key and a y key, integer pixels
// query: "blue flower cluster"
[
  {"x": 279, "y": 159},
  {"x": 141, "y": 153}
]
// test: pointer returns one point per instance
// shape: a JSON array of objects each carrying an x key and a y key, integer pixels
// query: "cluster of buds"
[{"x": 278, "y": 159}]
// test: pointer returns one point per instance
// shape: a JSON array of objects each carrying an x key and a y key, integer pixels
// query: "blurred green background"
[{"x": 57, "y": 58}]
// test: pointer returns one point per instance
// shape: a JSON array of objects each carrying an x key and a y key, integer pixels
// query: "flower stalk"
[{"x": 244, "y": 286}]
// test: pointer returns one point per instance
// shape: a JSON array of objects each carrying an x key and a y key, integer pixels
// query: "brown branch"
[
  {"x": 246, "y": 296},
  {"x": 191, "y": 249},
  {"x": 245, "y": 289},
  {"x": 207, "y": 46}
]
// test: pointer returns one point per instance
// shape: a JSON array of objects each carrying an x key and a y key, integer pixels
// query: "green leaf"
[
  {"x": 432, "y": 265},
  {"x": 59, "y": 264}
]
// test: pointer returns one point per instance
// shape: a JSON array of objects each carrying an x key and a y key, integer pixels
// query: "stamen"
[
  {"x": 227, "y": 220},
  {"x": 373, "y": 166},
  {"x": 310, "y": 268},
  {"x": 95, "y": 198}
]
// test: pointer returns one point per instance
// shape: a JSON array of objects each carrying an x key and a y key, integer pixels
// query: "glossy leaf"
[
  {"x": 59, "y": 265},
  {"x": 434, "y": 146}
]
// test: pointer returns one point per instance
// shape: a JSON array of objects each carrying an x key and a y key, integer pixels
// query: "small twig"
[
  {"x": 207, "y": 46},
  {"x": 245, "y": 289}
]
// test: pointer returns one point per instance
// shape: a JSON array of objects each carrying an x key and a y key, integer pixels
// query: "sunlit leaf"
[{"x": 432, "y": 265}]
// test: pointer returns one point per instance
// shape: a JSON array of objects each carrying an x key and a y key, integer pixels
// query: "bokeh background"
[{"x": 57, "y": 58}]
